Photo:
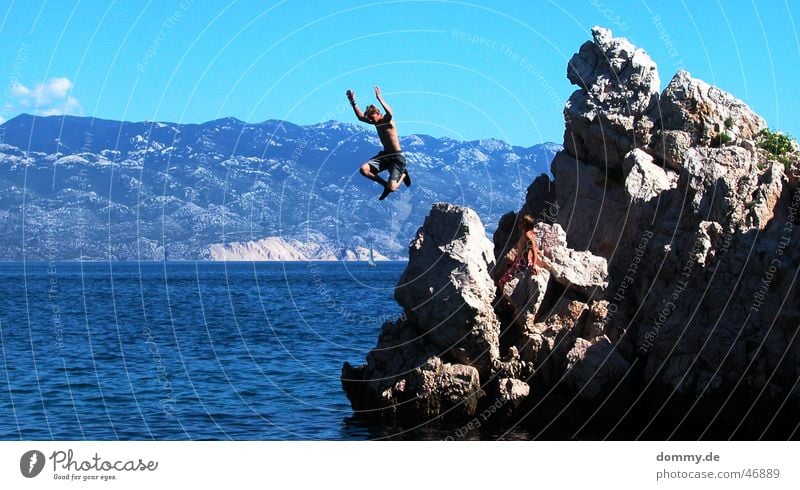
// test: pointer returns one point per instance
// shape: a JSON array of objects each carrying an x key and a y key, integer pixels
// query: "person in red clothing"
[{"x": 525, "y": 253}]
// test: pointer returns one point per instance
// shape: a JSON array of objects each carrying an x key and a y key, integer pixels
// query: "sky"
[{"x": 466, "y": 70}]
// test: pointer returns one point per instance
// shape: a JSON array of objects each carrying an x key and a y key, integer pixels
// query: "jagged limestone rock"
[
  {"x": 431, "y": 362},
  {"x": 404, "y": 376},
  {"x": 596, "y": 321},
  {"x": 728, "y": 186},
  {"x": 644, "y": 179},
  {"x": 608, "y": 116},
  {"x": 594, "y": 368},
  {"x": 692, "y": 113},
  {"x": 579, "y": 270},
  {"x": 699, "y": 241},
  {"x": 446, "y": 289},
  {"x": 793, "y": 170},
  {"x": 440, "y": 387},
  {"x": 671, "y": 146},
  {"x": 513, "y": 391},
  {"x": 696, "y": 294},
  {"x": 592, "y": 207},
  {"x": 525, "y": 293}
]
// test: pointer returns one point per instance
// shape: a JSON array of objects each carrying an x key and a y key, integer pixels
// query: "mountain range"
[{"x": 85, "y": 188}]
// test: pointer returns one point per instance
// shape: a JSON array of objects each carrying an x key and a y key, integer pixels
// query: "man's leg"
[
  {"x": 391, "y": 186},
  {"x": 370, "y": 171},
  {"x": 396, "y": 175}
]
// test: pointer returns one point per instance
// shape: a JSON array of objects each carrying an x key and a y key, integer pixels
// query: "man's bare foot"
[{"x": 386, "y": 192}]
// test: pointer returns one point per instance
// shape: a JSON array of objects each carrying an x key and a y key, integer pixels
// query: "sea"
[{"x": 193, "y": 350}]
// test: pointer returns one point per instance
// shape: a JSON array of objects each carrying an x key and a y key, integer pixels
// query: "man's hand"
[
  {"x": 386, "y": 109},
  {"x": 351, "y": 96}
]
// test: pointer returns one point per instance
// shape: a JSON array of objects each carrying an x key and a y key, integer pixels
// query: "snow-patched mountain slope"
[{"x": 131, "y": 190}]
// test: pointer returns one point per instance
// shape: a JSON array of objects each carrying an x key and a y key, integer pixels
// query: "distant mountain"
[
  {"x": 79, "y": 187},
  {"x": 277, "y": 248}
]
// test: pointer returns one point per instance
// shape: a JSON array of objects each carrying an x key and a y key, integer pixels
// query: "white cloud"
[
  {"x": 49, "y": 98},
  {"x": 19, "y": 90}
]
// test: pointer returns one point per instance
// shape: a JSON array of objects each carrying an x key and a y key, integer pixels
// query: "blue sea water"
[{"x": 185, "y": 350}]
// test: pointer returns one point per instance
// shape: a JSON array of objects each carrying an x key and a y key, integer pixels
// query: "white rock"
[
  {"x": 646, "y": 180},
  {"x": 582, "y": 270},
  {"x": 447, "y": 291},
  {"x": 513, "y": 390},
  {"x": 619, "y": 86}
]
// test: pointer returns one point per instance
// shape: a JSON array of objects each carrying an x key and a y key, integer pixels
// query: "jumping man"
[{"x": 391, "y": 158}]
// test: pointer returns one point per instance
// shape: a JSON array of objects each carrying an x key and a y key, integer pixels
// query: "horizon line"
[{"x": 245, "y": 123}]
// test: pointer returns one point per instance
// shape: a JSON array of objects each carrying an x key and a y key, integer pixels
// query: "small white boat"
[{"x": 371, "y": 257}]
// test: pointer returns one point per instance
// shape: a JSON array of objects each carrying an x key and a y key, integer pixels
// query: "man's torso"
[{"x": 387, "y": 132}]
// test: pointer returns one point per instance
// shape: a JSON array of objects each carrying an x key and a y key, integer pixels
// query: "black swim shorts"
[{"x": 394, "y": 162}]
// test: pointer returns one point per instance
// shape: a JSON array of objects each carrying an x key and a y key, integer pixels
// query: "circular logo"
[{"x": 31, "y": 463}]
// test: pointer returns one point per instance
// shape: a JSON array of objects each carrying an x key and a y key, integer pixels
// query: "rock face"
[
  {"x": 431, "y": 362},
  {"x": 589, "y": 204},
  {"x": 645, "y": 179},
  {"x": 446, "y": 288},
  {"x": 404, "y": 376},
  {"x": 525, "y": 294},
  {"x": 608, "y": 116},
  {"x": 668, "y": 304},
  {"x": 693, "y": 113},
  {"x": 582, "y": 270},
  {"x": 698, "y": 227}
]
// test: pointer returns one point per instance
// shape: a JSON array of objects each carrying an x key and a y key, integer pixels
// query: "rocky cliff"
[{"x": 668, "y": 307}]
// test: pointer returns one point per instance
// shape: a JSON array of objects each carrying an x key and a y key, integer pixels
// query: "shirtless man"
[{"x": 391, "y": 158}]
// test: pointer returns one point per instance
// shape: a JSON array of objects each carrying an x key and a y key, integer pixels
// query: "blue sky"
[{"x": 466, "y": 70}]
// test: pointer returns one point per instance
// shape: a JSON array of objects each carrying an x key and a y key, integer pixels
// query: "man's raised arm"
[
  {"x": 386, "y": 109},
  {"x": 351, "y": 96}
]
